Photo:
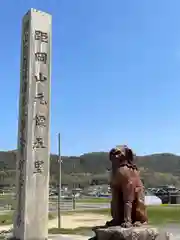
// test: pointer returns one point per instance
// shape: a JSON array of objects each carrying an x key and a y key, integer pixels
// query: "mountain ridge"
[{"x": 156, "y": 168}]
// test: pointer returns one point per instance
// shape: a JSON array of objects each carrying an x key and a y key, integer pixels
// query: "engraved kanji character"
[
  {"x": 41, "y": 57},
  {"x": 40, "y": 120},
  {"x": 39, "y": 143},
  {"x": 40, "y": 96},
  {"x": 40, "y": 78},
  {"x": 42, "y": 36},
  {"x": 38, "y": 166}
]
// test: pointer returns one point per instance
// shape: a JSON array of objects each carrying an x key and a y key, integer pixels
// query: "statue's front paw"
[
  {"x": 145, "y": 223},
  {"x": 109, "y": 223},
  {"x": 137, "y": 224},
  {"x": 126, "y": 225}
]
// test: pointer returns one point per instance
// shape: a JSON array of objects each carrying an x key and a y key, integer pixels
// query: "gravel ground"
[{"x": 174, "y": 229}]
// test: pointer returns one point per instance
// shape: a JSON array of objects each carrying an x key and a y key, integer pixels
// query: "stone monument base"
[{"x": 134, "y": 233}]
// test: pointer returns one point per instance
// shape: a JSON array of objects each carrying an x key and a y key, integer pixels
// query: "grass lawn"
[
  {"x": 162, "y": 214},
  {"x": 6, "y": 219},
  {"x": 6, "y": 199},
  {"x": 157, "y": 214}
]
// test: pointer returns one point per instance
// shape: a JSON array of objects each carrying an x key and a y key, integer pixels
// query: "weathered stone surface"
[
  {"x": 32, "y": 193},
  {"x": 134, "y": 233}
]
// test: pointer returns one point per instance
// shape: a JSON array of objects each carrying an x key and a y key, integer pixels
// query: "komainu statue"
[{"x": 127, "y": 205}]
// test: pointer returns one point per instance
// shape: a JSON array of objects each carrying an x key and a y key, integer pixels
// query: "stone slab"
[
  {"x": 33, "y": 152},
  {"x": 134, "y": 233}
]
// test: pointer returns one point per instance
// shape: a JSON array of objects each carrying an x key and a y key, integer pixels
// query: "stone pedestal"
[{"x": 134, "y": 233}]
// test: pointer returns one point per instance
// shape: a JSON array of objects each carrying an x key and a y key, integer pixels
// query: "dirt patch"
[
  {"x": 74, "y": 221},
  {"x": 80, "y": 220},
  {"x": 89, "y": 220}
]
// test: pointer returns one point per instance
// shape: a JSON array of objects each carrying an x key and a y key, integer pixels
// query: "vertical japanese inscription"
[
  {"x": 31, "y": 216},
  {"x": 23, "y": 117},
  {"x": 40, "y": 98}
]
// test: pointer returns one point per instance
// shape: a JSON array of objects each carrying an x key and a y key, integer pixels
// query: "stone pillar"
[{"x": 31, "y": 216}]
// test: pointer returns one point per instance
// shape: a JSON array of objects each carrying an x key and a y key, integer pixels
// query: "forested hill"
[{"x": 155, "y": 169}]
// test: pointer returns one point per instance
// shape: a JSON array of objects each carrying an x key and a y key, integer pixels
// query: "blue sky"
[{"x": 115, "y": 74}]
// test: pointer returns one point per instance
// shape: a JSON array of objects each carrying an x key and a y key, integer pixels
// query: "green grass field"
[
  {"x": 157, "y": 214},
  {"x": 163, "y": 214}
]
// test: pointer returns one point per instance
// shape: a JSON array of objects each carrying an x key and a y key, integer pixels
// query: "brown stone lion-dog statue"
[{"x": 127, "y": 205}]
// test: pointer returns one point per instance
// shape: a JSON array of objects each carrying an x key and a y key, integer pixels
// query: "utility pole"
[{"x": 59, "y": 181}]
